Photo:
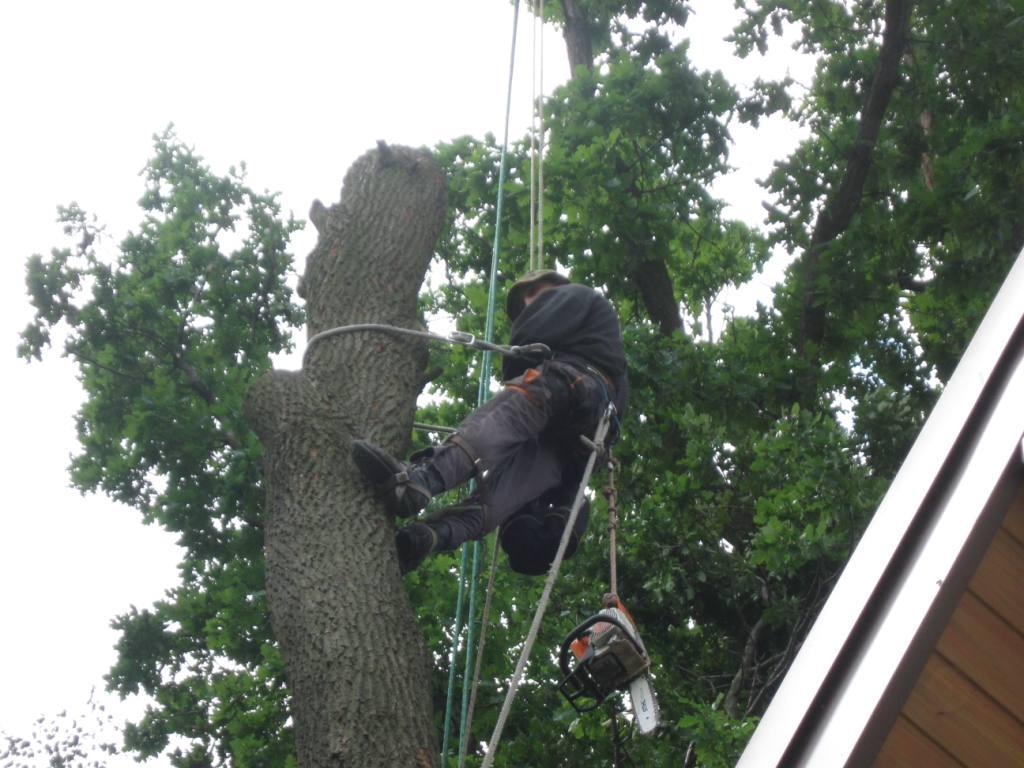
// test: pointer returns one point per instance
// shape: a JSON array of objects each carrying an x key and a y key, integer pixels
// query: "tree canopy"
[
  {"x": 751, "y": 458},
  {"x": 167, "y": 338}
]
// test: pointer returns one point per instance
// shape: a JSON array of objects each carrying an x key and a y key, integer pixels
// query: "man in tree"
[{"x": 522, "y": 446}]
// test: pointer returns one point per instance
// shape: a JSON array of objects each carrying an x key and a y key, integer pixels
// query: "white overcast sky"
[{"x": 297, "y": 91}]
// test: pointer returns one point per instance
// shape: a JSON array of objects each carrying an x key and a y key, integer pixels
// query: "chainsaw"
[{"x": 604, "y": 654}]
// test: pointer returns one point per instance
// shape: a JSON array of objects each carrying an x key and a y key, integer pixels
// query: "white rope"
[
  {"x": 533, "y": 149},
  {"x": 536, "y": 260},
  {"x": 540, "y": 161},
  {"x": 531, "y": 636}
]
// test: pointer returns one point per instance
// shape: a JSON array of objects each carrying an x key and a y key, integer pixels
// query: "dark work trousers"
[{"x": 521, "y": 444}]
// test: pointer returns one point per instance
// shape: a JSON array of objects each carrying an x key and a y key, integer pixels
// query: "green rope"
[
  {"x": 451, "y": 658},
  {"x": 483, "y": 394},
  {"x": 488, "y": 594}
]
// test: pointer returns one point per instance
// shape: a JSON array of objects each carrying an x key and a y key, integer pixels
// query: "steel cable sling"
[{"x": 539, "y": 351}]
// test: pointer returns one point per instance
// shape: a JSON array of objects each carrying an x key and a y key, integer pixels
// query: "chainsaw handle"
[{"x": 577, "y": 632}]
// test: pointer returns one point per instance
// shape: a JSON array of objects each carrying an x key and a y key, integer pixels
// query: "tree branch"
[
  {"x": 836, "y": 215},
  {"x": 655, "y": 283},
  {"x": 731, "y": 705},
  {"x": 813, "y": 600},
  {"x": 908, "y": 283},
  {"x": 107, "y": 368},
  {"x": 578, "y": 42}
]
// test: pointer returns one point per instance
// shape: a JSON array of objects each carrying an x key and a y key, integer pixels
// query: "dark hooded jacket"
[{"x": 581, "y": 328}]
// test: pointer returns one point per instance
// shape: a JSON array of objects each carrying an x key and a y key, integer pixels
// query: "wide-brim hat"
[{"x": 515, "y": 303}]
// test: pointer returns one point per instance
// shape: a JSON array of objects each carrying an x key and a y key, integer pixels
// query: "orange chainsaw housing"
[{"x": 608, "y": 656}]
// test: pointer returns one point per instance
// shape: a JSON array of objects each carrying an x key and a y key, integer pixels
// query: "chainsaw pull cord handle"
[{"x": 611, "y": 599}]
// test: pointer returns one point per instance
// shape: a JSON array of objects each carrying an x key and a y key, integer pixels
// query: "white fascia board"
[
  {"x": 900, "y": 508},
  {"x": 920, "y": 588}
]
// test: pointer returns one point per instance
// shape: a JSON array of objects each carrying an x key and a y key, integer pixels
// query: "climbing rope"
[
  {"x": 483, "y": 394},
  {"x": 620, "y": 755},
  {"x": 536, "y": 260},
  {"x": 484, "y": 619},
  {"x": 612, "y": 496},
  {"x": 615, "y": 739},
  {"x": 540, "y": 155},
  {"x": 537, "y": 145},
  {"x": 433, "y": 428},
  {"x": 595, "y": 447},
  {"x": 532, "y": 160}
]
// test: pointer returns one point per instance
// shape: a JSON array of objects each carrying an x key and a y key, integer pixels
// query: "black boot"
[
  {"x": 532, "y": 536},
  {"x": 555, "y": 520},
  {"x": 405, "y": 488},
  {"x": 414, "y": 542},
  {"x": 527, "y": 543}
]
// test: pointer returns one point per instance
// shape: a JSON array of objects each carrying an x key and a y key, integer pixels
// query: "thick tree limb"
[
  {"x": 838, "y": 212},
  {"x": 656, "y": 290},
  {"x": 576, "y": 32}
]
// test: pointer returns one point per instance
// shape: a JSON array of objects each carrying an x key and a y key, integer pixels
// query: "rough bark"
[
  {"x": 576, "y": 32},
  {"x": 838, "y": 212},
  {"x": 655, "y": 283},
  {"x": 355, "y": 660}
]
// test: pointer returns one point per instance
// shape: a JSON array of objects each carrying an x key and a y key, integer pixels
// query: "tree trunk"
[{"x": 355, "y": 660}]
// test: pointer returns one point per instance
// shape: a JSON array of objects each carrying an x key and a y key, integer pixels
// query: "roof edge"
[{"x": 903, "y": 510}]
